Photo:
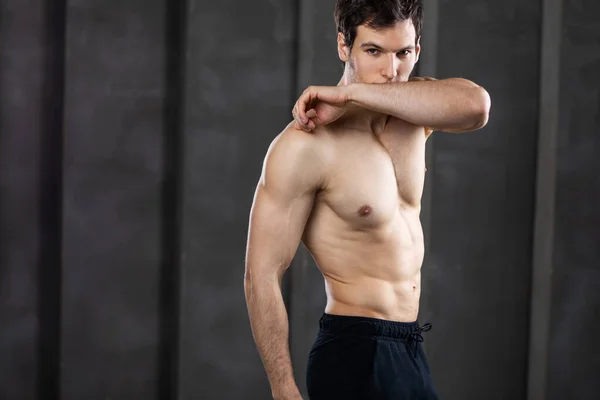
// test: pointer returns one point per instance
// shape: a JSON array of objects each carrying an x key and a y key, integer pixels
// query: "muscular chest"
[{"x": 374, "y": 176}]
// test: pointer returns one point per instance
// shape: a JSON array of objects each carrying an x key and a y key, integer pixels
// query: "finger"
[
  {"x": 310, "y": 105},
  {"x": 296, "y": 114},
  {"x": 302, "y": 106},
  {"x": 311, "y": 116},
  {"x": 311, "y": 113},
  {"x": 298, "y": 124}
]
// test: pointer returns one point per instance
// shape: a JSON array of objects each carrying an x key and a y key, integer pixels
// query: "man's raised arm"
[
  {"x": 450, "y": 105},
  {"x": 283, "y": 200}
]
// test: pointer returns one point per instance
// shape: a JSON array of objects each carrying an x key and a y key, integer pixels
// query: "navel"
[{"x": 365, "y": 210}]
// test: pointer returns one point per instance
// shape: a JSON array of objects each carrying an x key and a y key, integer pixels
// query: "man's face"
[{"x": 381, "y": 56}]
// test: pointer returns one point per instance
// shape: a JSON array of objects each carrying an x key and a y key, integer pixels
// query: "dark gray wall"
[
  {"x": 22, "y": 69},
  {"x": 476, "y": 274},
  {"x": 131, "y": 140},
  {"x": 112, "y": 169},
  {"x": 240, "y": 78},
  {"x": 573, "y": 355}
]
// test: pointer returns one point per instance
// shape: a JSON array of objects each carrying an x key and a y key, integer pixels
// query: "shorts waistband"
[{"x": 366, "y": 326}]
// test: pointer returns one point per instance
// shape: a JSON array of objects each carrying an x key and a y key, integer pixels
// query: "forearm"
[
  {"x": 269, "y": 322},
  {"x": 453, "y": 105}
]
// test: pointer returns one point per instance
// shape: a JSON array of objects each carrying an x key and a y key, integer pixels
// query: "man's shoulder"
[
  {"x": 292, "y": 142},
  {"x": 296, "y": 159},
  {"x": 293, "y": 136}
]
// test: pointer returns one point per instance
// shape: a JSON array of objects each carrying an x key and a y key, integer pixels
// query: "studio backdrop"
[{"x": 132, "y": 135}]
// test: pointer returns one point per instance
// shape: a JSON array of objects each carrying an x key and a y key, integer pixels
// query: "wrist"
[
  {"x": 352, "y": 92},
  {"x": 287, "y": 391},
  {"x": 284, "y": 383}
]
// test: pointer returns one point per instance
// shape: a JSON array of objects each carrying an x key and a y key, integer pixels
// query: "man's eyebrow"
[
  {"x": 375, "y": 45},
  {"x": 371, "y": 44}
]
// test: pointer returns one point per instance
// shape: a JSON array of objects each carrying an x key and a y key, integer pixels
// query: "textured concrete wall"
[
  {"x": 132, "y": 136},
  {"x": 113, "y": 137},
  {"x": 476, "y": 273},
  {"x": 22, "y": 62},
  {"x": 573, "y": 355},
  {"x": 240, "y": 78}
]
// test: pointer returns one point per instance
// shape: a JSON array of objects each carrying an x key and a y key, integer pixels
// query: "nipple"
[{"x": 365, "y": 210}]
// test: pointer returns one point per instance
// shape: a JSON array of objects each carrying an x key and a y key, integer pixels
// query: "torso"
[{"x": 364, "y": 231}]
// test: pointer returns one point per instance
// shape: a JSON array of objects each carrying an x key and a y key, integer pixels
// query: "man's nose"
[{"x": 390, "y": 71}]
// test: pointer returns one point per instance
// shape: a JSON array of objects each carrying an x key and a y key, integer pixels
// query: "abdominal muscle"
[{"x": 369, "y": 271}]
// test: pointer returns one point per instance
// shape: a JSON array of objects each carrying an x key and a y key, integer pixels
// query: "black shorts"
[{"x": 368, "y": 359}]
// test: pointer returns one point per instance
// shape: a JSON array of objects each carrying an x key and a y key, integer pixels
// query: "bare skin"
[
  {"x": 346, "y": 178},
  {"x": 364, "y": 230}
]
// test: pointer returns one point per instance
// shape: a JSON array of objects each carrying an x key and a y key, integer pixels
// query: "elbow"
[{"x": 481, "y": 104}]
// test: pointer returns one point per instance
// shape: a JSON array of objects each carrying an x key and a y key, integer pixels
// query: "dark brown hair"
[{"x": 349, "y": 14}]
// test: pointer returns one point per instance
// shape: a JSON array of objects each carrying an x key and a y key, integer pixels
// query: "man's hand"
[{"x": 319, "y": 105}]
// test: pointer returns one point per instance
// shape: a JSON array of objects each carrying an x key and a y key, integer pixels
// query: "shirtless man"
[{"x": 346, "y": 177}]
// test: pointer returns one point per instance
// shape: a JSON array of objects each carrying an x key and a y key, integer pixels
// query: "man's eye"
[
  {"x": 403, "y": 53},
  {"x": 373, "y": 51}
]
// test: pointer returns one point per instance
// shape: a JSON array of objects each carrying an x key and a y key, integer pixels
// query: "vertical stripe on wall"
[{"x": 541, "y": 288}]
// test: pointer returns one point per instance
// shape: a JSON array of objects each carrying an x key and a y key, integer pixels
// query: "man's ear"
[
  {"x": 343, "y": 50},
  {"x": 418, "y": 49}
]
